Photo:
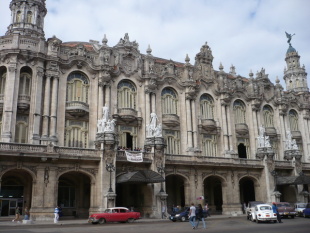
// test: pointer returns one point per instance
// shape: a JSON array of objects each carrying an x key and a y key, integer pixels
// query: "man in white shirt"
[{"x": 192, "y": 215}]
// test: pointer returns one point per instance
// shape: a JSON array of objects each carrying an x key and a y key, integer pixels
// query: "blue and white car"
[{"x": 263, "y": 213}]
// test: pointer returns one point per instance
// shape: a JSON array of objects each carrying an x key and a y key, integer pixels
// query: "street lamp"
[
  {"x": 161, "y": 170},
  {"x": 110, "y": 168},
  {"x": 275, "y": 175}
]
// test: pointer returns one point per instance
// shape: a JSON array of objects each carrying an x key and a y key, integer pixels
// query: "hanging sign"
[{"x": 135, "y": 158}]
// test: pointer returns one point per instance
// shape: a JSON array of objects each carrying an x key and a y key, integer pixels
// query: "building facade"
[{"x": 203, "y": 133}]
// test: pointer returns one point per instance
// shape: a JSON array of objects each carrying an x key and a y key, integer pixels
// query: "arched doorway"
[
  {"x": 74, "y": 194},
  {"x": 175, "y": 191},
  {"x": 16, "y": 190},
  {"x": 133, "y": 195},
  {"x": 242, "y": 151},
  {"x": 213, "y": 194},
  {"x": 247, "y": 190}
]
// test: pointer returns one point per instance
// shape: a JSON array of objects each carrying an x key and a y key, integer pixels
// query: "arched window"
[
  {"x": 29, "y": 17},
  {"x": 2, "y": 83},
  {"x": 268, "y": 116},
  {"x": 76, "y": 134},
  {"x": 126, "y": 95},
  {"x": 209, "y": 145},
  {"x": 293, "y": 120},
  {"x": 77, "y": 87},
  {"x": 206, "y": 107},
  {"x": 21, "y": 129},
  {"x": 169, "y": 101},
  {"x": 18, "y": 17},
  {"x": 25, "y": 84},
  {"x": 239, "y": 112},
  {"x": 172, "y": 138}
]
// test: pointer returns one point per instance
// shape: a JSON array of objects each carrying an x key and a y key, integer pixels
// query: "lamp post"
[
  {"x": 161, "y": 170},
  {"x": 275, "y": 175},
  {"x": 110, "y": 168}
]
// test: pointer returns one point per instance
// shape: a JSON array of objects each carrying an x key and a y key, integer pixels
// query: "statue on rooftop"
[{"x": 289, "y": 37}]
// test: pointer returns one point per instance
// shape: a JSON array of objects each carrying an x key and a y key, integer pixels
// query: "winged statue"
[{"x": 289, "y": 37}]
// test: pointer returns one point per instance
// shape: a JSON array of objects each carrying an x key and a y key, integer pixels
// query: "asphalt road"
[{"x": 231, "y": 225}]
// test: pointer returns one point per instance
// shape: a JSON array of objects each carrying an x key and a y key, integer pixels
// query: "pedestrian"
[
  {"x": 26, "y": 213},
  {"x": 17, "y": 215},
  {"x": 192, "y": 215},
  {"x": 244, "y": 207},
  {"x": 200, "y": 217},
  {"x": 207, "y": 209},
  {"x": 276, "y": 211},
  {"x": 56, "y": 213},
  {"x": 163, "y": 212}
]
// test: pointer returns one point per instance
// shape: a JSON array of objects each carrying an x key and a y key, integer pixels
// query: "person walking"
[
  {"x": 56, "y": 213},
  {"x": 17, "y": 215},
  {"x": 207, "y": 210},
  {"x": 26, "y": 213},
  {"x": 163, "y": 212},
  {"x": 276, "y": 211},
  {"x": 192, "y": 215},
  {"x": 200, "y": 217}
]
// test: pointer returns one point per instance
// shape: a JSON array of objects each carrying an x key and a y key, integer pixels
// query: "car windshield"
[
  {"x": 265, "y": 208},
  {"x": 283, "y": 205},
  {"x": 301, "y": 205}
]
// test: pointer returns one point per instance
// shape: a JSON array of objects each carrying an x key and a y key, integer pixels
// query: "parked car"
[
  {"x": 263, "y": 213},
  {"x": 306, "y": 211},
  {"x": 299, "y": 207},
  {"x": 286, "y": 209},
  {"x": 250, "y": 208},
  {"x": 182, "y": 215},
  {"x": 115, "y": 214}
]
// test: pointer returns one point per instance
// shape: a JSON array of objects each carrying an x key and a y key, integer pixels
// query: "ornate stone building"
[{"x": 202, "y": 132}]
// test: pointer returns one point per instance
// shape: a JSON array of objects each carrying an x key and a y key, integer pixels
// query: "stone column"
[
  {"x": 10, "y": 103},
  {"x": 147, "y": 108},
  {"x": 153, "y": 104},
  {"x": 107, "y": 168},
  {"x": 189, "y": 123},
  {"x": 195, "y": 125},
  {"x": 46, "y": 107},
  {"x": 224, "y": 123},
  {"x": 36, "y": 99},
  {"x": 107, "y": 92},
  {"x": 100, "y": 100},
  {"x": 54, "y": 109}
]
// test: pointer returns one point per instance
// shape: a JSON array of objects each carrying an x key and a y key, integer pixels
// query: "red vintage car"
[{"x": 114, "y": 214}]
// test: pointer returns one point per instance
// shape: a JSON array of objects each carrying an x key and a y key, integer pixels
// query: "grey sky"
[{"x": 250, "y": 34}]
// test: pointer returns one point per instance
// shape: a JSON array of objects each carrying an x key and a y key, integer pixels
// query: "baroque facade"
[{"x": 224, "y": 138}]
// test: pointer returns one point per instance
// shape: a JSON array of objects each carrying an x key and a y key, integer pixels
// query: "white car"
[
  {"x": 263, "y": 213},
  {"x": 299, "y": 208}
]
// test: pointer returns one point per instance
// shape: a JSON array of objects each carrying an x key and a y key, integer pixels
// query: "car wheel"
[
  {"x": 183, "y": 219},
  {"x": 292, "y": 216},
  {"x": 94, "y": 223},
  {"x": 257, "y": 221},
  {"x": 274, "y": 221},
  {"x": 130, "y": 220},
  {"x": 252, "y": 219},
  {"x": 173, "y": 220},
  {"x": 102, "y": 221}
]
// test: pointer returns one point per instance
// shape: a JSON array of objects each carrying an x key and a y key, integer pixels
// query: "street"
[{"x": 231, "y": 225}]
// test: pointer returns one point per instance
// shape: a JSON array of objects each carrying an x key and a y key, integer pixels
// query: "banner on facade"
[
  {"x": 200, "y": 198},
  {"x": 135, "y": 158}
]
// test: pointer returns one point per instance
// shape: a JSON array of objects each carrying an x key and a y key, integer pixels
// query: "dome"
[{"x": 291, "y": 50}]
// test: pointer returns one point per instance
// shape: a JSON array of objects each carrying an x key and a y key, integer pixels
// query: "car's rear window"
[
  {"x": 265, "y": 208},
  {"x": 301, "y": 205}
]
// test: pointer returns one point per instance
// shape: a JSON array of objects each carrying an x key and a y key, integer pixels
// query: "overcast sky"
[{"x": 249, "y": 34}]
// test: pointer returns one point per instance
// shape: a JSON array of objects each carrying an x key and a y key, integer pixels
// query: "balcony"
[
  {"x": 128, "y": 116},
  {"x": 208, "y": 124},
  {"x": 242, "y": 129},
  {"x": 171, "y": 120},
  {"x": 77, "y": 108},
  {"x": 23, "y": 102},
  {"x": 296, "y": 135},
  {"x": 271, "y": 131}
]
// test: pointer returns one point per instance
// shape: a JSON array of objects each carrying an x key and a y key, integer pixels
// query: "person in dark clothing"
[
  {"x": 276, "y": 211},
  {"x": 200, "y": 217}
]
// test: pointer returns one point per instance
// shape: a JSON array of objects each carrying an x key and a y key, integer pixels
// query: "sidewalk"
[{"x": 7, "y": 221}]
